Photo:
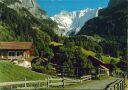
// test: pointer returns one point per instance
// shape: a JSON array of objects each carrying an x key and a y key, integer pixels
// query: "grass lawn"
[
  {"x": 106, "y": 59},
  {"x": 10, "y": 72},
  {"x": 87, "y": 52},
  {"x": 103, "y": 77},
  {"x": 56, "y": 44}
]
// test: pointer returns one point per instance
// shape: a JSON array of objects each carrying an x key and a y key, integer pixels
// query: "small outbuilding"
[{"x": 102, "y": 67}]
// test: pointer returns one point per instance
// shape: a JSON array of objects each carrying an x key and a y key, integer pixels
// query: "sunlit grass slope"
[
  {"x": 105, "y": 58},
  {"x": 11, "y": 72}
]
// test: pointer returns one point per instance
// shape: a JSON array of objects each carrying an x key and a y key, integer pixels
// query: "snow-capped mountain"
[{"x": 70, "y": 23}]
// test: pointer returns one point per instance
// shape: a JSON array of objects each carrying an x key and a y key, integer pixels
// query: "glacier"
[{"x": 69, "y": 23}]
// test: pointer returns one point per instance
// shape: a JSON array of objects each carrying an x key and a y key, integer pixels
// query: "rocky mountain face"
[
  {"x": 70, "y": 23},
  {"x": 112, "y": 25},
  {"x": 110, "y": 20},
  {"x": 30, "y": 5}
]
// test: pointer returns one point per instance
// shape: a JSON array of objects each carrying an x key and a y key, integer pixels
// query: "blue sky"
[{"x": 53, "y": 7}]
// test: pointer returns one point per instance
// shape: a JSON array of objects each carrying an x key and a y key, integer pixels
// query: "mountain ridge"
[
  {"x": 112, "y": 25},
  {"x": 70, "y": 23},
  {"x": 30, "y": 5}
]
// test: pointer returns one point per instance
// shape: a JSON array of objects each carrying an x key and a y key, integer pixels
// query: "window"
[
  {"x": 11, "y": 53},
  {"x": 18, "y": 53},
  {"x": 15, "y": 53}
]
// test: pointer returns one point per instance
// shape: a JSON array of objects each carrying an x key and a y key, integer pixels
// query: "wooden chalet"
[
  {"x": 103, "y": 68},
  {"x": 19, "y": 51}
]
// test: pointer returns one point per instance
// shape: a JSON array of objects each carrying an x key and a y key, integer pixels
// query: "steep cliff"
[{"x": 30, "y": 5}]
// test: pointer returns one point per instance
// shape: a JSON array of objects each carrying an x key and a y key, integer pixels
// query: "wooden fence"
[
  {"x": 117, "y": 85},
  {"x": 49, "y": 82}
]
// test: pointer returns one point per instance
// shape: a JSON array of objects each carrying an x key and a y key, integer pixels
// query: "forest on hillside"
[{"x": 97, "y": 38}]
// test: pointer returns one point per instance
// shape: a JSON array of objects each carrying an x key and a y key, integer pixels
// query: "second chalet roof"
[{"x": 15, "y": 45}]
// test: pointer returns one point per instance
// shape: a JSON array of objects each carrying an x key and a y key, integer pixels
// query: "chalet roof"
[
  {"x": 104, "y": 67},
  {"x": 98, "y": 63},
  {"x": 15, "y": 45}
]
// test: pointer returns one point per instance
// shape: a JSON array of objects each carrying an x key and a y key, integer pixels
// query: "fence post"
[
  {"x": 90, "y": 77},
  {"x": 11, "y": 85},
  {"x": 48, "y": 82},
  {"x": 81, "y": 80},
  {"x": 39, "y": 83},
  {"x": 114, "y": 87},
  {"x": 123, "y": 84},
  {"x": 62, "y": 81},
  {"x": 25, "y": 84}
]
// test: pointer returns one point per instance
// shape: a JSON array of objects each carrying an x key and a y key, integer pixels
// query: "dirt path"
[
  {"x": 127, "y": 84},
  {"x": 96, "y": 85}
]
